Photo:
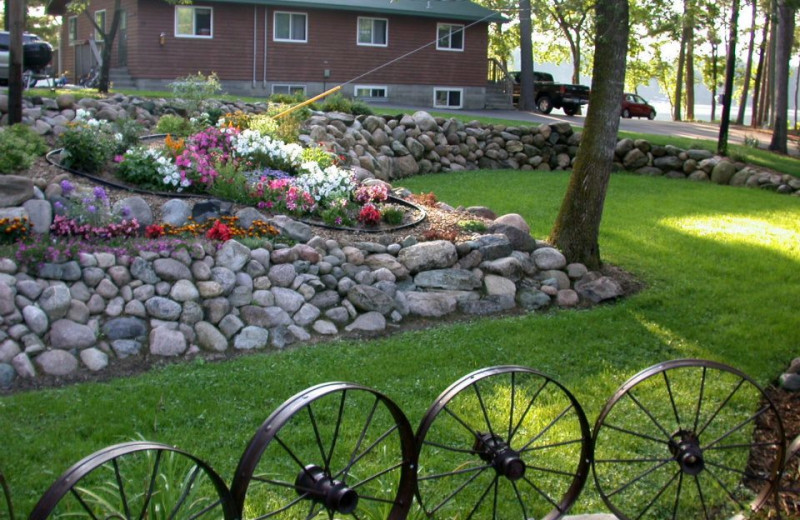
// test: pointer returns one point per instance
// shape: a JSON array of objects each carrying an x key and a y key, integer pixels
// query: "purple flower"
[
  {"x": 126, "y": 212},
  {"x": 100, "y": 193},
  {"x": 66, "y": 187},
  {"x": 91, "y": 208},
  {"x": 58, "y": 205}
]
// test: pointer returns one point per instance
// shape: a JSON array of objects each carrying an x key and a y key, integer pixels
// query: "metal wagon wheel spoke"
[
  {"x": 332, "y": 450},
  {"x": 137, "y": 480},
  {"x": 502, "y": 442},
  {"x": 676, "y": 441}
]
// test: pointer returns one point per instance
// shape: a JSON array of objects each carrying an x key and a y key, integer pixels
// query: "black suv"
[{"x": 36, "y": 55}]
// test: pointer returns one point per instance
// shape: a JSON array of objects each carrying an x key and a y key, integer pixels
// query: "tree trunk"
[
  {"x": 527, "y": 100},
  {"x": 16, "y": 24},
  {"x": 577, "y": 226},
  {"x": 796, "y": 89},
  {"x": 748, "y": 68},
  {"x": 730, "y": 70},
  {"x": 783, "y": 49},
  {"x": 769, "y": 104},
  {"x": 576, "y": 61},
  {"x": 714, "y": 58},
  {"x": 690, "y": 71},
  {"x": 676, "y": 116},
  {"x": 755, "y": 120}
]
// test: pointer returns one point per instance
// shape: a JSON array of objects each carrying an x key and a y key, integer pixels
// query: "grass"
[{"x": 722, "y": 270}]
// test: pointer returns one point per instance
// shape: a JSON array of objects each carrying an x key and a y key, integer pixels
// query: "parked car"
[
  {"x": 36, "y": 55},
  {"x": 550, "y": 95},
  {"x": 636, "y": 106}
]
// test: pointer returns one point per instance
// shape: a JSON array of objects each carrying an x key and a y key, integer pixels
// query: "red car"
[{"x": 635, "y": 106}]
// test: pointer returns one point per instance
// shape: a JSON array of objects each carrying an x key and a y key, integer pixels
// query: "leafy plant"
[
  {"x": 392, "y": 215},
  {"x": 751, "y": 141},
  {"x": 128, "y": 132},
  {"x": 369, "y": 215},
  {"x": 472, "y": 226},
  {"x": 174, "y": 125},
  {"x": 19, "y": 147},
  {"x": 339, "y": 213},
  {"x": 13, "y": 229},
  {"x": 87, "y": 145},
  {"x": 194, "y": 89},
  {"x": 151, "y": 169},
  {"x": 230, "y": 184}
]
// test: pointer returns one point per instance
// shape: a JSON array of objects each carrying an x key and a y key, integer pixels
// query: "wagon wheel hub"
[
  {"x": 505, "y": 461},
  {"x": 320, "y": 487},
  {"x": 685, "y": 447}
]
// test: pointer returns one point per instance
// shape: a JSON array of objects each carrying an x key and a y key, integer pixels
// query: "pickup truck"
[{"x": 551, "y": 95}]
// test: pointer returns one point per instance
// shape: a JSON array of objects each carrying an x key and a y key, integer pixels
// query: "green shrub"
[
  {"x": 337, "y": 103},
  {"x": 392, "y": 215},
  {"x": 19, "y": 147},
  {"x": 476, "y": 226},
  {"x": 230, "y": 184},
  {"x": 148, "y": 168},
  {"x": 129, "y": 130},
  {"x": 264, "y": 124},
  {"x": 361, "y": 109},
  {"x": 194, "y": 89},
  {"x": 174, "y": 125},
  {"x": 318, "y": 155},
  {"x": 87, "y": 146}
]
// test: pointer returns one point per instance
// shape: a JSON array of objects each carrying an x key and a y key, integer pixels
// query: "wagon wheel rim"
[
  {"x": 359, "y": 464},
  {"x": 688, "y": 455},
  {"x": 502, "y": 442},
  {"x": 135, "y": 480}
]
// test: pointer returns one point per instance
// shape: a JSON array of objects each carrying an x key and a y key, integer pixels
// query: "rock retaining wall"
[
  {"x": 85, "y": 314},
  {"x": 393, "y": 147}
]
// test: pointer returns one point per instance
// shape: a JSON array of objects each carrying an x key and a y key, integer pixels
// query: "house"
[{"x": 430, "y": 53}]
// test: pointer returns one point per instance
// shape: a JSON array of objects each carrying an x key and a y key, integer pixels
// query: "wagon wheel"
[
  {"x": 502, "y": 442},
  {"x": 335, "y": 449},
  {"x": 785, "y": 495},
  {"x": 675, "y": 441},
  {"x": 136, "y": 480}
]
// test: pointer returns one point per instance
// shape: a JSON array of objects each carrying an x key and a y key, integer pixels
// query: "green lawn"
[{"x": 722, "y": 272}]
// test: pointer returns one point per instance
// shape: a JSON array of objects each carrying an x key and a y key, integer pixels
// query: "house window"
[
  {"x": 447, "y": 97},
  {"x": 100, "y": 21},
  {"x": 373, "y": 31},
  {"x": 194, "y": 22},
  {"x": 290, "y": 27},
  {"x": 371, "y": 92},
  {"x": 289, "y": 89},
  {"x": 72, "y": 29},
  {"x": 449, "y": 37}
]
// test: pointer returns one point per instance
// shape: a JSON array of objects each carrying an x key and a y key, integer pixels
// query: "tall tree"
[
  {"x": 16, "y": 19},
  {"x": 748, "y": 69},
  {"x": 577, "y": 227},
  {"x": 730, "y": 70},
  {"x": 569, "y": 19},
  {"x": 685, "y": 31},
  {"x": 783, "y": 49},
  {"x": 107, "y": 35},
  {"x": 756, "y": 117},
  {"x": 527, "y": 97},
  {"x": 690, "y": 81}
]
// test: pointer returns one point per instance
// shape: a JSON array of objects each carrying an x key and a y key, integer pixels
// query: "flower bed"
[{"x": 240, "y": 159}]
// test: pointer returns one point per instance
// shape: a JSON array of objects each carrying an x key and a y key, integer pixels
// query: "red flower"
[
  {"x": 154, "y": 231},
  {"x": 219, "y": 231},
  {"x": 369, "y": 215}
]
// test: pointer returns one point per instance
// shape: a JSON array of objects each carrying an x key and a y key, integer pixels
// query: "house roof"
[{"x": 450, "y": 9}]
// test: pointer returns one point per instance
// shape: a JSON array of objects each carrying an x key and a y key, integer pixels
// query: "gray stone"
[
  {"x": 494, "y": 246},
  {"x": 492, "y": 304},
  {"x": 293, "y": 229},
  {"x": 210, "y": 338},
  {"x": 559, "y": 278},
  {"x": 40, "y": 213},
  {"x": 635, "y": 159},
  {"x": 230, "y": 325},
  {"x": 247, "y": 216},
  {"x": 143, "y": 270},
  {"x": 215, "y": 309},
  {"x": 500, "y": 286},
  {"x": 367, "y": 298},
  {"x": 14, "y": 190},
  {"x": 7, "y": 376},
  {"x": 184, "y": 291},
  {"x": 92, "y": 276},
  {"x": 368, "y": 322},
  {"x": 430, "y": 304},
  {"x": 66, "y": 335},
  {"x": 424, "y": 256},
  {"x": 251, "y": 338},
  {"x": 325, "y": 327},
  {"x": 306, "y": 315},
  {"x": 209, "y": 289},
  {"x": 448, "y": 279},
  {"x": 6, "y": 299},
  {"x": 120, "y": 275},
  {"x": 8, "y": 349},
  {"x": 57, "y": 363},
  {"x": 282, "y": 275},
  {"x": 94, "y": 359},
  {"x": 298, "y": 333},
  {"x": 723, "y": 172},
  {"x": 325, "y": 299},
  {"x": 385, "y": 261},
  {"x": 575, "y": 271},
  {"x": 55, "y": 301},
  {"x": 106, "y": 289},
  {"x": 137, "y": 208},
  {"x": 520, "y": 240},
  {"x": 567, "y": 298},
  {"x": 175, "y": 212},
  {"x": 167, "y": 342},
  {"x": 126, "y": 347},
  {"x": 547, "y": 258},
  {"x": 789, "y": 382},
  {"x": 35, "y": 319},
  {"x": 125, "y": 327},
  {"x": 171, "y": 270},
  {"x": 338, "y": 315},
  {"x": 508, "y": 267},
  {"x": 163, "y": 308},
  {"x": 23, "y": 365},
  {"x": 30, "y": 289},
  {"x": 599, "y": 290},
  {"x": 532, "y": 299},
  {"x": 232, "y": 255},
  {"x": 287, "y": 299},
  {"x": 265, "y": 317}
]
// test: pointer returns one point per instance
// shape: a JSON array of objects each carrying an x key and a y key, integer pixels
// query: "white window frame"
[
  {"x": 193, "y": 9},
  {"x": 385, "y": 89},
  {"x": 97, "y": 36},
  {"x": 289, "y": 39},
  {"x": 460, "y": 91},
  {"x": 449, "y": 47},
  {"x": 72, "y": 29},
  {"x": 372, "y": 32},
  {"x": 288, "y": 87}
]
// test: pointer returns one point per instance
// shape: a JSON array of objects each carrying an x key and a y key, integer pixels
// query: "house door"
[{"x": 122, "y": 39}]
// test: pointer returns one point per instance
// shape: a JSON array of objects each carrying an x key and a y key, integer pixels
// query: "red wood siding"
[{"x": 332, "y": 45}]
